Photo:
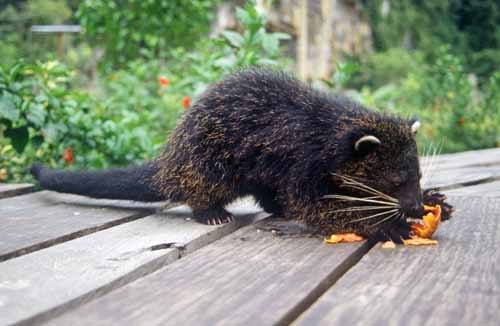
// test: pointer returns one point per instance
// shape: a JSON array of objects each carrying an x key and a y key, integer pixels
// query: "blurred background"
[{"x": 102, "y": 82}]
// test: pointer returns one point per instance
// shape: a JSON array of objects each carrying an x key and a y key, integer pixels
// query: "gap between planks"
[
  {"x": 71, "y": 236},
  {"x": 35, "y": 221},
  {"x": 326, "y": 284},
  {"x": 455, "y": 282},
  {"x": 248, "y": 277},
  {"x": 116, "y": 256},
  {"x": 469, "y": 183},
  {"x": 10, "y": 190}
]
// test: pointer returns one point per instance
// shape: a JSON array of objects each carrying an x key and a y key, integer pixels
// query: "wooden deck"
[{"x": 70, "y": 260}]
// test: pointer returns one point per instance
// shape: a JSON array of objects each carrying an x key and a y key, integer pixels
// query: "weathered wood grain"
[
  {"x": 42, "y": 284},
  {"x": 461, "y": 177},
  {"x": 246, "y": 278},
  {"x": 38, "y": 220},
  {"x": 485, "y": 157},
  {"x": 491, "y": 189},
  {"x": 456, "y": 282},
  {"x": 9, "y": 190}
]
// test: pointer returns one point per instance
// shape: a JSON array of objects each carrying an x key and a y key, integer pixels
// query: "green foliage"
[
  {"x": 125, "y": 29},
  {"x": 40, "y": 117},
  {"x": 455, "y": 114},
  {"x": 411, "y": 24},
  {"x": 233, "y": 50},
  {"x": 44, "y": 12},
  {"x": 16, "y": 40},
  {"x": 131, "y": 110},
  {"x": 380, "y": 68},
  {"x": 470, "y": 26}
]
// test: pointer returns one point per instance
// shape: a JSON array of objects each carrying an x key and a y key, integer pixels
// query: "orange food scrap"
[
  {"x": 343, "y": 237},
  {"x": 388, "y": 245},
  {"x": 431, "y": 222},
  {"x": 417, "y": 241}
]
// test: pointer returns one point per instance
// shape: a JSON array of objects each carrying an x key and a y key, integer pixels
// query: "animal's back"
[{"x": 256, "y": 123}]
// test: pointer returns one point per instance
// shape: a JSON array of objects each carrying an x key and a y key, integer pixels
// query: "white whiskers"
[
  {"x": 361, "y": 186},
  {"x": 429, "y": 160},
  {"x": 387, "y": 206},
  {"x": 361, "y": 208},
  {"x": 385, "y": 219},
  {"x": 365, "y": 200},
  {"x": 394, "y": 211}
]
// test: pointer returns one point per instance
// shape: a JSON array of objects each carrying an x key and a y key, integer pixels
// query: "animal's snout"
[
  {"x": 415, "y": 210},
  {"x": 412, "y": 206},
  {"x": 411, "y": 201}
]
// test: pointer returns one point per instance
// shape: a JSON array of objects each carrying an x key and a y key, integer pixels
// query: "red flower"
[
  {"x": 68, "y": 155},
  {"x": 163, "y": 81},
  {"x": 186, "y": 102}
]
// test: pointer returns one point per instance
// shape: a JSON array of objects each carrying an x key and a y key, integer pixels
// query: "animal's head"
[{"x": 380, "y": 157}]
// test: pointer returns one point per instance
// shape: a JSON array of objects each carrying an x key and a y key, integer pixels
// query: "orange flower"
[
  {"x": 186, "y": 101},
  {"x": 461, "y": 121},
  {"x": 3, "y": 174},
  {"x": 163, "y": 81},
  {"x": 68, "y": 155}
]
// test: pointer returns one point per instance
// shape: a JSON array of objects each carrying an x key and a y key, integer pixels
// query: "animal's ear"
[
  {"x": 415, "y": 125},
  {"x": 366, "y": 144}
]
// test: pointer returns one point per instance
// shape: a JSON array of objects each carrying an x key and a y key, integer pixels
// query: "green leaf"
[
  {"x": 18, "y": 138},
  {"x": 225, "y": 62},
  {"x": 8, "y": 108},
  {"x": 266, "y": 62},
  {"x": 36, "y": 114},
  {"x": 50, "y": 132},
  {"x": 281, "y": 36},
  {"x": 234, "y": 38},
  {"x": 270, "y": 44},
  {"x": 13, "y": 72},
  {"x": 37, "y": 141}
]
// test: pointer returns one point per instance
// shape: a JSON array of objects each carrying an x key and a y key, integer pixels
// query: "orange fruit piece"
[
  {"x": 417, "y": 241},
  {"x": 431, "y": 222},
  {"x": 388, "y": 245},
  {"x": 344, "y": 237}
]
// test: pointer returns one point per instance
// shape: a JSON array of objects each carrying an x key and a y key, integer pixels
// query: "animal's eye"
[
  {"x": 398, "y": 179},
  {"x": 395, "y": 180}
]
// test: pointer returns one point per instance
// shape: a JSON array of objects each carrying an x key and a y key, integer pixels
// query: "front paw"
[{"x": 395, "y": 232}]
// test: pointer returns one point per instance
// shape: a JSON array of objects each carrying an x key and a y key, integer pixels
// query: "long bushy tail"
[{"x": 132, "y": 183}]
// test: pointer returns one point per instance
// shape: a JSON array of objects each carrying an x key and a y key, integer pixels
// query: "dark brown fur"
[{"x": 265, "y": 134}]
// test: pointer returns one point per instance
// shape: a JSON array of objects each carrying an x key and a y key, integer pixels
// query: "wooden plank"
[
  {"x": 491, "y": 189},
  {"x": 247, "y": 278},
  {"x": 11, "y": 189},
  {"x": 462, "y": 177},
  {"x": 34, "y": 287},
  {"x": 456, "y": 282},
  {"x": 39, "y": 220},
  {"x": 485, "y": 157}
]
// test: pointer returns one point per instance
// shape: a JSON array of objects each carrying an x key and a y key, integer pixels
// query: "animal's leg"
[{"x": 267, "y": 200}]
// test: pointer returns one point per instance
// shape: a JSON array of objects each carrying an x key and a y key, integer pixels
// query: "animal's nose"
[{"x": 415, "y": 211}]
